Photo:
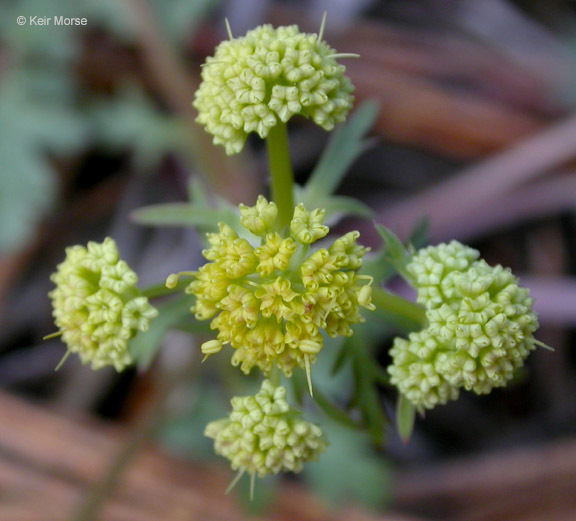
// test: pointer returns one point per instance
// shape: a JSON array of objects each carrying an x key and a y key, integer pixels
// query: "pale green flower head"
[
  {"x": 256, "y": 81},
  {"x": 271, "y": 295},
  {"x": 430, "y": 268},
  {"x": 264, "y": 435},
  {"x": 97, "y": 306},
  {"x": 414, "y": 370},
  {"x": 480, "y": 327}
]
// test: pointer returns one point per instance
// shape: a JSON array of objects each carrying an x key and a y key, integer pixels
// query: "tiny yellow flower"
[
  {"x": 307, "y": 226},
  {"x": 274, "y": 254},
  {"x": 271, "y": 302}
]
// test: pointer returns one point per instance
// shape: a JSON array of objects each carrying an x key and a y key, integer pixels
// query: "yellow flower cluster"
[
  {"x": 272, "y": 301},
  {"x": 264, "y": 435}
]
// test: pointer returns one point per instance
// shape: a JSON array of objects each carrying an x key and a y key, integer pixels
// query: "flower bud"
[
  {"x": 264, "y": 435},
  {"x": 480, "y": 327},
  {"x": 253, "y": 83},
  {"x": 97, "y": 306}
]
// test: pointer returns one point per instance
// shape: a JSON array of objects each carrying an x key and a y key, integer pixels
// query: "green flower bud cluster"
[
  {"x": 271, "y": 297},
  {"x": 480, "y": 327},
  {"x": 254, "y": 82},
  {"x": 97, "y": 306},
  {"x": 264, "y": 435}
]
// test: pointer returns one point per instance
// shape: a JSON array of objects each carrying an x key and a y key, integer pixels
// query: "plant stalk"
[
  {"x": 399, "y": 306},
  {"x": 281, "y": 176}
]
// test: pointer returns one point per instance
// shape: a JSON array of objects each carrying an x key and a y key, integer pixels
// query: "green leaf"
[
  {"x": 377, "y": 265},
  {"x": 420, "y": 233},
  {"x": 145, "y": 344},
  {"x": 405, "y": 416},
  {"x": 341, "y": 358},
  {"x": 30, "y": 111},
  {"x": 183, "y": 214},
  {"x": 182, "y": 431},
  {"x": 181, "y": 18},
  {"x": 198, "y": 194},
  {"x": 366, "y": 395},
  {"x": 395, "y": 249},
  {"x": 345, "y": 145},
  {"x": 350, "y": 470},
  {"x": 131, "y": 121},
  {"x": 338, "y": 206},
  {"x": 334, "y": 412},
  {"x": 394, "y": 252}
]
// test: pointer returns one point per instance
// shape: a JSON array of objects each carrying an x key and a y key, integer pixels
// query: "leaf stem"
[{"x": 281, "y": 176}]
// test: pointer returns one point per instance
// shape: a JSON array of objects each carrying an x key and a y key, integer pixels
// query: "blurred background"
[{"x": 476, "y": 132}]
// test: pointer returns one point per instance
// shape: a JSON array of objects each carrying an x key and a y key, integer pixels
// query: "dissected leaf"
[
  {"x": 132, "y": 122},
  {"x": 181, "y": 18},
  {"x": 345, "y": 145},
  {"x": 350, "y": 470},
  {"x": 28, "y": 117},
  {"x": 334, "y": 412},
  {"x": 420, "y": 233},
  {"x": 339, "y": 206},
  {"x": 341, "y": 358},
  {"x": 390, "y": 259},
  {"x": 392, "y": 309},
  {"x": 366, "y": 395},
  {"x": 183, "y": 432},
  {"x": 145, "y": 345},
  {"x": 197, "y": 193},
  {"x": 395, "y": 249},
  {"x": 182, "y": 214}
]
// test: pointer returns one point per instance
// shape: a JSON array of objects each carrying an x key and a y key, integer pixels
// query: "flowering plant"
[{"x": 276, "y": 286}]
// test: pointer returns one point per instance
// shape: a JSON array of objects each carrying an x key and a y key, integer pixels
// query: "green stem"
[
  {"x": 160, "y": 289},
  {"x": 399, "y": 306},
  {"x": 157, "y": 290},
  {"x": 275, "y": 376},
  {"x": 281, "y": 176}
]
